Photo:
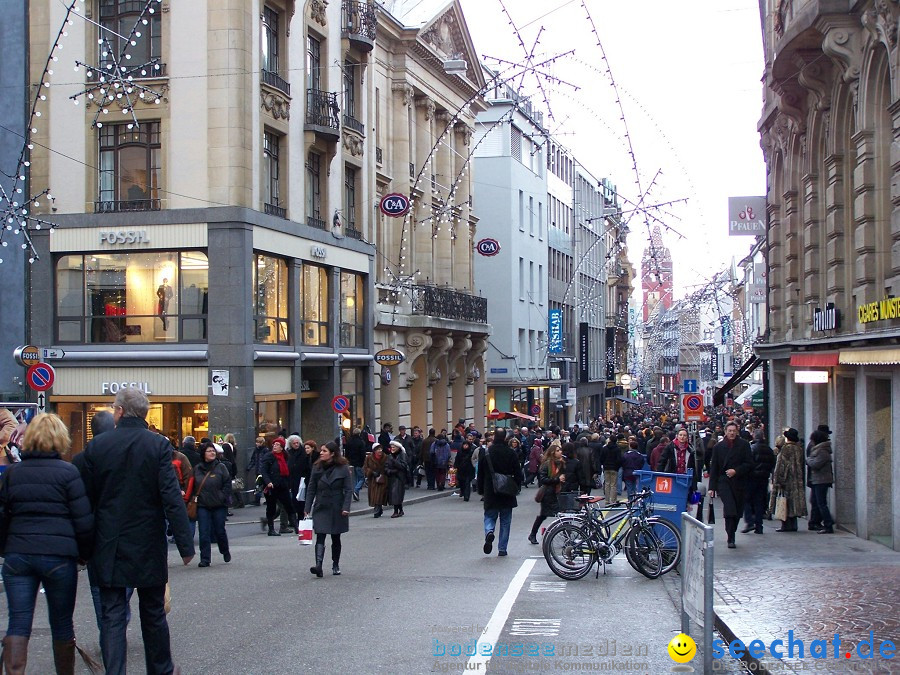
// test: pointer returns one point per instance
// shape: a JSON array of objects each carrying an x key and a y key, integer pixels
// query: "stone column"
[
  {"x": 462, "y": 265},
  {"x": 836, "y": 286},
  {"x": 441, "y": 201},
  {"x": 422, "y": 255},
  {"x": 865, "y": 235}
]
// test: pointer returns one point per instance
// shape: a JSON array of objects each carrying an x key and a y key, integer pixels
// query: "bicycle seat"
[{"x": 589, "y": 499}]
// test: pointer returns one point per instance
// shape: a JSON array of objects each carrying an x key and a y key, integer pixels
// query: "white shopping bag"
[
  {"x": 305, "y": 532},
  {"x": 301, "y": 491}
]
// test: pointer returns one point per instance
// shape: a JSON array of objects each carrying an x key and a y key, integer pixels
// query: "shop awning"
[
  {"x": 742, "y": 374},
  {"x": 625, "y": 399},
  {"x": 747, "y": 394},
  {"x": 499, "y": 415},
  {"x": 870, "y": 357},
  {"x": 815, "y": 359}
]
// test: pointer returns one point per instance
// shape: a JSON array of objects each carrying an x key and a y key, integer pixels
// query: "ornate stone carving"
[
  {"x": 277, "y": 106},
  {"x": 479, "y": 347},
  {"x": 464, "y": 131},
  {"x": 814, "y": 76},
  {"x": 417, "y": 344},
  {"x": 842, "y": 42},
  {"x": 791, "y": 104},
  {"x": 353, "y": 143},
  {"x": 317, "y": 11},
  {"x": 440, "y": 346},
  {"x": 405, "y": 90},
  {"x": 427, "y": 105},
  {"x": 442, "y": 117},
  {"x": 881, "y": 22},
  {"x": 783, "y": 12},
  {"x": 445, "y": 36},
  {"x": 461, "y": 345}
]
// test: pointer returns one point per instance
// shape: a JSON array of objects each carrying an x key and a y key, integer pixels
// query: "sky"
[{"x": 688, "y": 77}]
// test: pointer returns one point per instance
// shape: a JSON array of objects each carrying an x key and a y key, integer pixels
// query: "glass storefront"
[
  {"x": 173, "y": 420},
  {"x": 270, "y": 298},
  {"x": 314, "y": 305},
  {"x": 271, "y": 418},
  {"x": 352, "y": 386},
  {"x": 352, "y": 310},
  {"x": 148, "y": 296}
]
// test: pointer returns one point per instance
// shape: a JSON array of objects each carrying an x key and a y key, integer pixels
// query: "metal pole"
[{"x": 708, "y": 616}]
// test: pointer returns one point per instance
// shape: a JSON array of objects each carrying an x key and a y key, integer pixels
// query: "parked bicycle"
[{"x": 595, "y": 534}]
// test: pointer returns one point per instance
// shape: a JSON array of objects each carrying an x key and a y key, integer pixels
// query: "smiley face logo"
[{"x": 682, "y": 648}]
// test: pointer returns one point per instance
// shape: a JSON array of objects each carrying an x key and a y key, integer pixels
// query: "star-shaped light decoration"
[
  {"x": 113, "y": 81},
  {"x": 16, "y": 200}
]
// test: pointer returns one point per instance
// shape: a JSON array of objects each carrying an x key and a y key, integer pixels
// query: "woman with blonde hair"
[{"x": 47, "y": 529}]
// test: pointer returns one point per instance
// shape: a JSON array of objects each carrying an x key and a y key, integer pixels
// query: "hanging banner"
[
  {"x": 584, "y": 334},
  {"x": 554, "y": 331}
]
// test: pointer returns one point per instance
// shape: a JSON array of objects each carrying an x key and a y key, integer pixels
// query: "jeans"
[
  {"x": 154, "y": 630},
  {"x": 98, "y": 608},
  {"x": 360, "y": 479},
  {"x": 631, "y": 487},
  {"x": 211, "y": 522},
  {"x": 465, "y": 486},
  {"x": 58, "y": 574},
  {"x": 815, "y": 515},
  {"x": 820, "y": 499},
  {"x": 490, "y": 523}
]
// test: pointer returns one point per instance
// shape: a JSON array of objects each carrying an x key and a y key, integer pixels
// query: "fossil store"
[{"x": 256, "y": 337}]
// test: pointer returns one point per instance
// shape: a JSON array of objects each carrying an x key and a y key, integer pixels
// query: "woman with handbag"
[
  {"x": 212, "y": 487},
  {"x": 787, "y": 483},
  {"x": 373, "y": 470},
  {"x": 395, "y": 467},
  {"x": 328, "y": 498},
  {"x": 551, "y": 477}
]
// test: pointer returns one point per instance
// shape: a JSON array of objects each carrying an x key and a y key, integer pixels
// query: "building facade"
[
  {"x": 830, "y": 123},
  {"x": 212, "y": 246},
  {"x": 428, "y": 87}
]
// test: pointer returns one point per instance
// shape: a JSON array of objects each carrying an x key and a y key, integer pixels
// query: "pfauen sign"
[{"x": 746, "y": 216}]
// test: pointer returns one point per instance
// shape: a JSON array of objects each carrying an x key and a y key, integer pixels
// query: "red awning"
[
  {"x": 815, "y": 359},
  {"x": 497, "y": 415}
]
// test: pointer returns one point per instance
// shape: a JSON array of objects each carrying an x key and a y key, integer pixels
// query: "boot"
[
  {"x": 320, "y": 556},
  {"x": 532, "y": 538},
  {"x": 15, "y": 654},
  {"x": 335, "y": 560},
  {"x": 378, "y": 511},
  {"x": 64, "y": 656}
]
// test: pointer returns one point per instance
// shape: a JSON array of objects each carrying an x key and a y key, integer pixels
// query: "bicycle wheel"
[
  {"x": 568, "y": 550},
  {"x": 642, "y": 550},
  {"x": 669, "y": 541}
]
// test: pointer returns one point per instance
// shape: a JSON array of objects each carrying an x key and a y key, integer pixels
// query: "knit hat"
[
  {"x": 279, "y": 440},
  {"x": 538, "y": 442}
]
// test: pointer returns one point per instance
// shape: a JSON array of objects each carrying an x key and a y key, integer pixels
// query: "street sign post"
[
  {"x": 692, "y": 405},
  {"x": 42, "y": 402},
  {"x": 340, "y": 404},
  {"x": 40, "y": 376},
  {"x": 51, "y": 354},
  {"x": 690, "y": 386}
]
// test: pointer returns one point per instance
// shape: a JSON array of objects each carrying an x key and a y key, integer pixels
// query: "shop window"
[
  {"x": 352, "y": 310},
  {"x": 314, "y": 191},
  {"x": 157, "y": 296},
  {"x": 270, "y": 284},
  {"x": 314, "y": 305},
  {"x": 271, "y": 418},
  {"x": 118, "y": 18},
  {"x": 129, "y": 167},
  {"x": 272, "y": 201},
  {"x": 352, "y": 385}
]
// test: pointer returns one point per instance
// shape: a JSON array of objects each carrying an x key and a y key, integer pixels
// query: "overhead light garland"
[{"x": 113, "y": 82}]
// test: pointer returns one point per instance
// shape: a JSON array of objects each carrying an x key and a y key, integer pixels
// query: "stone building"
[{"x": 830, "y": 132}]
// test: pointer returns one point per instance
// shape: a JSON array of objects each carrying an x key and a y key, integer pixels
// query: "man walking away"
[
  {"x": 131, "y": 483},
  {"x": 496, "y": 506},
  {"x": 758, "y": 483}
]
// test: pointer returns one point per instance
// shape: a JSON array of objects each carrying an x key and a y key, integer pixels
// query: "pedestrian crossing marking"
[
  {"x": 536, "y": 627},
  {"x": 547, "y": 587}
]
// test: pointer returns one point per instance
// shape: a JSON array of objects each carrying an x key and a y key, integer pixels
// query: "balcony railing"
[
  {"x": 322, "y": 109},
  {"x": 358, "y": 21},
  {"x": 354, "y": 124},
  {"x": 122, "y": 205},
  {"x": 273, "y": 210},
  {"x": 412, "y": 170},
  {"x": 352, "y": 232},
  {"x": 317, "y": 223},
  {"x": 448, "y": 303},
  {"x": 275, "y": 80}
]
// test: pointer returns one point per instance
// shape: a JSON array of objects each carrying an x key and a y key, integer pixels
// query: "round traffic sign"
[
  {"x": 40, "y": 376},
  {"x": 488, "y": 247},
  {"x": 535, "y": 409},
  {"x": 693, "y": 402},
  {"x": 340, "y": 403},
  {"x": 394, "y": 205}
]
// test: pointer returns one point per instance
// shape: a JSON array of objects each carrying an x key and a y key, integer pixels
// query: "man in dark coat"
[
  {"x": 730, "y": 465},
  {"x": 503, "y": 459},
  {"x": 758, "y": 483},
  {"x": 130, "y": 480}
]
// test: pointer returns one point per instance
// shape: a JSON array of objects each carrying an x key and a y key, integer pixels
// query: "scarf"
[
  {"x": 282, "y": 464},
  {"x": 680, "y": 457}
]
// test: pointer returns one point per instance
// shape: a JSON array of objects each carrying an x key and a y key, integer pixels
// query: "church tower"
[{"x": 656, "y": 274}]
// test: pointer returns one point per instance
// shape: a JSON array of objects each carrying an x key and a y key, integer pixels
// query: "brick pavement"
[{"x": 816, "y": 586}]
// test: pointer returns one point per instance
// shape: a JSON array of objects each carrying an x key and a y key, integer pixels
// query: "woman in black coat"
[
  {"x": 395, "y": 468},
  {"x": 499, "y": 458},
  {"x": 328, "y": 497},
  {"x": 212, "y": 488},
  {"x": 277, "y": 481},
  {"x": 465, "y": 470},
  {"x": 47, "y": 529},
  {"x": 552, "y": 475}
]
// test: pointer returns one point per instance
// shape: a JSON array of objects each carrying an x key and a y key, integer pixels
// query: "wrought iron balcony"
[
  {"x": 276, "y": 81},
  {"x": 122, "y": 205},
  {"x": 273, "y": 210},
  {"x": 323, "y": 114},
  {"x": 354, "y": 124},
  {"x": 412, "y": 170},
  {"x": 352, "y": 232},
  {"x": 317, "y": 223},
  {"x": 358, "y": 24},
  {"x": 448, "y": 303}
]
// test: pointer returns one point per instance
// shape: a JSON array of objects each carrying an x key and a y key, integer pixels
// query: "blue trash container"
[{"x": 670, "y": 492}]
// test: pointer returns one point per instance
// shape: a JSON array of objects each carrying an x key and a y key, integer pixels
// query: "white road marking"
[
  {"x": 547, "y": 587},
  {"x": 479, "y": 661},
  {"x": 534, "y": 627}
]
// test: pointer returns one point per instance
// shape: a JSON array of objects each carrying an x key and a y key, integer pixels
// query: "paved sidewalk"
[{"x": 814, "y": 585}]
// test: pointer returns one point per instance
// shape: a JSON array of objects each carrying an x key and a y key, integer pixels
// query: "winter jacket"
[
  {"x": 730, "y": 490},
  {"x": 763, "y": 461},
  {"x": 612, "y": 456},
  {"x": 216, "y": 489},
  {"x": 440, "y": 454},
  {"x": 552, "y": 486},
  {"x": 47, "y": 510},
  {"x": 585, "y": 468},
  {"x": 787, "y": 479},
  {"x": 396, "y": 469},
  {"x": 328, "y": 495},
  {"x": 183, "y": 469},
  {"x": 534, "y": 458},
  {"x": 463, "y": 463},
  {"x": 668, "y": 463},
  {"x": 271, "y": 472},
  {"x": 820, "y": 464},
  {"x": 373, "y": 467},
  {"x": 355, "y": 450},
  {"x": 631, "y": 462},
  {"x": 504, "y": 461}
]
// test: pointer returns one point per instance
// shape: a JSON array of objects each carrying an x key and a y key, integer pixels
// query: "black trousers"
[
  {"x": 335, "y": 545},
  {"x": 279, "y": 495},
  {"x": 154, "y": 630},
  {"x": 815, "y": 514},
  {"x": 755, "y": 503}
]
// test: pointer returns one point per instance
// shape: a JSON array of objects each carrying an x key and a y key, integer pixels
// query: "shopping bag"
[
  {"x": 301, "y": 492},
  {"x": 305, "y": 532},
  {"x": 781, "y": 507},
  {"x": 711, "y": 514}
]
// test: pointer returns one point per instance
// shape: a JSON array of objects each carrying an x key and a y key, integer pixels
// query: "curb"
[
  {"x": 368, "y": 509},
  {"x": 754, "y": 664}
]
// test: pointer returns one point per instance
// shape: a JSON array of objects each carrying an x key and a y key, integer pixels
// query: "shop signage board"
[
  {"x": 27, "y": 355},
  {"x": 746, "y": 216},
  {"x": 219, "y": 384},
  {"x": 394, "y": 205},
  {"x": 51, "y": 354},
  {"x": 554, "y": 331},
  {"x": 828, "y": 318},
  {"x": 882, "y": 310},
  {"x": 488, "y": 247},
  {"x": 389, "y": 357}
]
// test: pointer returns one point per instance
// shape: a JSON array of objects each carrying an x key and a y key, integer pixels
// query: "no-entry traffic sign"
[
  {"x": 40, "y": 376},
  {"x": 340, "y": 403}
]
